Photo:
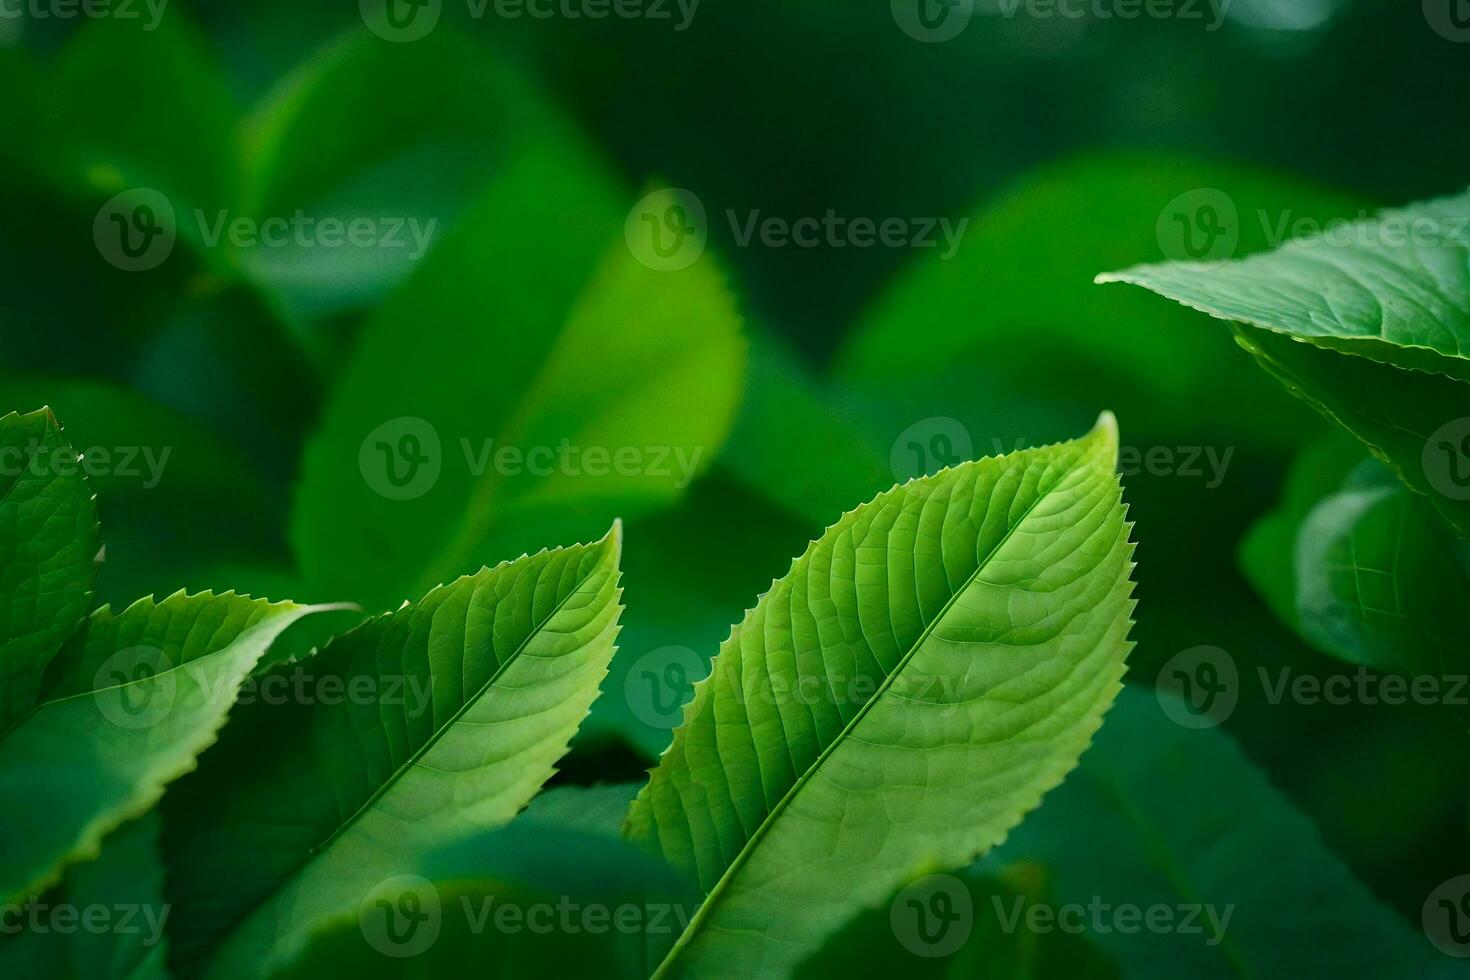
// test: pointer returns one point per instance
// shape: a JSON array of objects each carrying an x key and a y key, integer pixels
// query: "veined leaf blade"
[
  {"x": 966, "y": 633},
  {"x": 472, "y": 694}
]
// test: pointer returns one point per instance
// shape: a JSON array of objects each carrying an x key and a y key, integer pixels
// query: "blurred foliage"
[{"x": 796, "y": 372}]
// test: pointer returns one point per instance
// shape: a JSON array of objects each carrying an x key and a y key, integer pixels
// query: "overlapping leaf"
[
  {"x": 125, "y": 709},
  {"x": 401, "y": 736},
  {"x": 931, "y": 666},
  {"x": 1175, "y": 819},
  {"x": 601, "y": 404},
  {"x": 1368, "y": 322},
  {"x": 49, "y": 547}
]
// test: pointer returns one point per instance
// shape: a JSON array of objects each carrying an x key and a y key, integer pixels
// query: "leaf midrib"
[
  {"x": 408, "y": 764},
  {"x": 717, "y": 892}
]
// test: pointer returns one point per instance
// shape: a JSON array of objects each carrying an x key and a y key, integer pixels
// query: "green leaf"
[
  {"x": 1011, "y": 332},
  {"x": 1163, "y": 816},
  {"x": 1268, "y": 552},
  {"x": 127, "y": 707},
  {"x": 1394, "y": 292},
  {"x": 1408, "y": 419},
  {"x": 1394, "y": 288},
  {"x": 483, "y": 413},
  {"x": 138, "y": 109},
  {"x": 123, "y": 888},
  {"x": 1373, "y": 576},
  {"x": 894, "y": 941},
  {"x": 419, "y": 727},
  {"x": 926, "y": 671},
  {"x": 538, "y": 897},
  {"x": 447, "y": 114},
  {"x": 48, "y": 554},
  {"x": 161, "y": 481}
]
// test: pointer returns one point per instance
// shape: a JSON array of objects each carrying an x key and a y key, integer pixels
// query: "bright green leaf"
[
  {"x": 530, "y": 382},
  {"x": 926, "y": 671},
  {"x": 419, "y": 727},
  {"x": 127, "y": 708},
  {"x": 1394, "y": 288}
]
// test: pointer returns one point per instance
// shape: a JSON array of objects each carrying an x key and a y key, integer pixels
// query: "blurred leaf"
[
  {"x": 1375, "y": 578},
  {"x": 1417, "y": 423},
  {"x": 1268, "y": 553},
  {"x": 538, "y": 897},
  {"x": 49, "y": 547},
  {"x": 447, "y": 114},
  {"x": 117, "y": 723},
  {"x": 438, "y": 720},
  {"x": 877, "y": 679},
  {"x": 1013, "y": 326},
  {"x": 132, "y": 108},
  {"x": 1163, "y": 816},
  {"x": 125, "y": 882},
  {"x": 795, "y": 441},
  {"x": 992, "y": 947},
  {"x": 531, "y": 382}
]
